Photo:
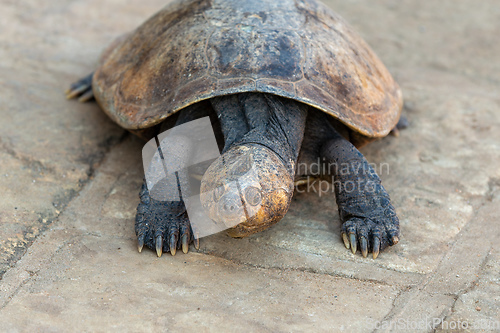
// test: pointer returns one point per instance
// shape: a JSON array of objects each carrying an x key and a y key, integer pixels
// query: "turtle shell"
[{"x": 198, "y": 49}]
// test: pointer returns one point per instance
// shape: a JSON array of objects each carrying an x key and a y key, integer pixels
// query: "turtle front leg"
[
  {"x": 162, "y": 225},
  {"x": 368, "y": 217},
  {"x": 81, "y": 89}
]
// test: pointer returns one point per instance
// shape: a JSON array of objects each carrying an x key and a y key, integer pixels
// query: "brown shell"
[{"x": 197, "y": 49}]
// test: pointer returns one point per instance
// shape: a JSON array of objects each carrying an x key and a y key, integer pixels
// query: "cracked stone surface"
[
  {"x": 69, "y": 180},
  {"x": 476, "y": 307},
  {"x": 48, "y": 147},
  {"x": 110, "y": 280}
]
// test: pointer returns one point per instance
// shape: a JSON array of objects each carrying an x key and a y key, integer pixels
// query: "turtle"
[{"x": 285, "y": 84}]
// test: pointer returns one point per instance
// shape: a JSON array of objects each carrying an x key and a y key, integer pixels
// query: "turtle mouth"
[
  {"x": 262, "y": 219},
  {"x": 247, "y": 189}
]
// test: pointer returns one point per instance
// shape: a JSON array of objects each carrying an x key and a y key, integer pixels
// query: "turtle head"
[{"x": 247, "y": 189}]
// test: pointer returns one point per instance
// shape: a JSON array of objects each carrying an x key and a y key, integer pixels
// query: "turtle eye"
[
  {"x": 253, "y": 195},
  {"x": 218, "y": 192},
  {"x": 242, "y": 166}
]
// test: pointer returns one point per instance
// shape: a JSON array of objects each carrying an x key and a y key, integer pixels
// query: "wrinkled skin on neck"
[{"x": 248, "y": 189}]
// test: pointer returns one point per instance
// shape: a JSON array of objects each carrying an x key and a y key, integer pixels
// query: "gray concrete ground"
[{"x": 69, "y": 180}]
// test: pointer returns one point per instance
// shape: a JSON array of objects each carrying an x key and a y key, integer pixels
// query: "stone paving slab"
[
  {"x": 434, "y": 299},
  {"x": 69, "y": 180},
  {"x": 84, "y": 286},
  {"x": 48, "y": 147},
  {"x": 91, "y": 267},
  {"x": 479, "y": 307}
]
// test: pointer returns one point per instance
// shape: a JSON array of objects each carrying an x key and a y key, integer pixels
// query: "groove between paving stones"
[
  {"x": 60, "y": 200},
  {"x": 314, "y": 271},
  {"x": 26, "y": 160},
  {"x": 31, "y": 273},
  {"x": 410, "y": 300},
  {"x": 470, "y": 288}
]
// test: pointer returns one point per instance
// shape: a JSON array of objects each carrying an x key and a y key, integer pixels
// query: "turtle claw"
[
  {"x": 197, "y": 242},
  {"x": 173, "y": 244},
  {"x": 185, "y": 245},
  {"x": 140, "y": 243},
  {"x": 363, "y": 244},
  {"x": 373, "y": 234},
  {"x": 352, "y": 238},
  {"x": 376, "y": 247},
  {"x": 346, "y": 240},
  {"x": 72, "y": 93},
  {"x": 159, "y": 246},
  {"x": 158, "y": 225},
  {"x": 87, "y": 96},
  {"x": 82, "y": 89}
]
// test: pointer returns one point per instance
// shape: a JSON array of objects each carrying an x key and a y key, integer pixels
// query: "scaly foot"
[
  {"x": 368, "y": 217},
  {"x": 81, "y": 89},
  {"x": 162, "y": 225}
]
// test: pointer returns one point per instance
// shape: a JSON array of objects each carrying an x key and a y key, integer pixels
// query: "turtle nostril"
[
  {"x": 229, "y": 204},
  {"x": 228, "y": 207}
]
